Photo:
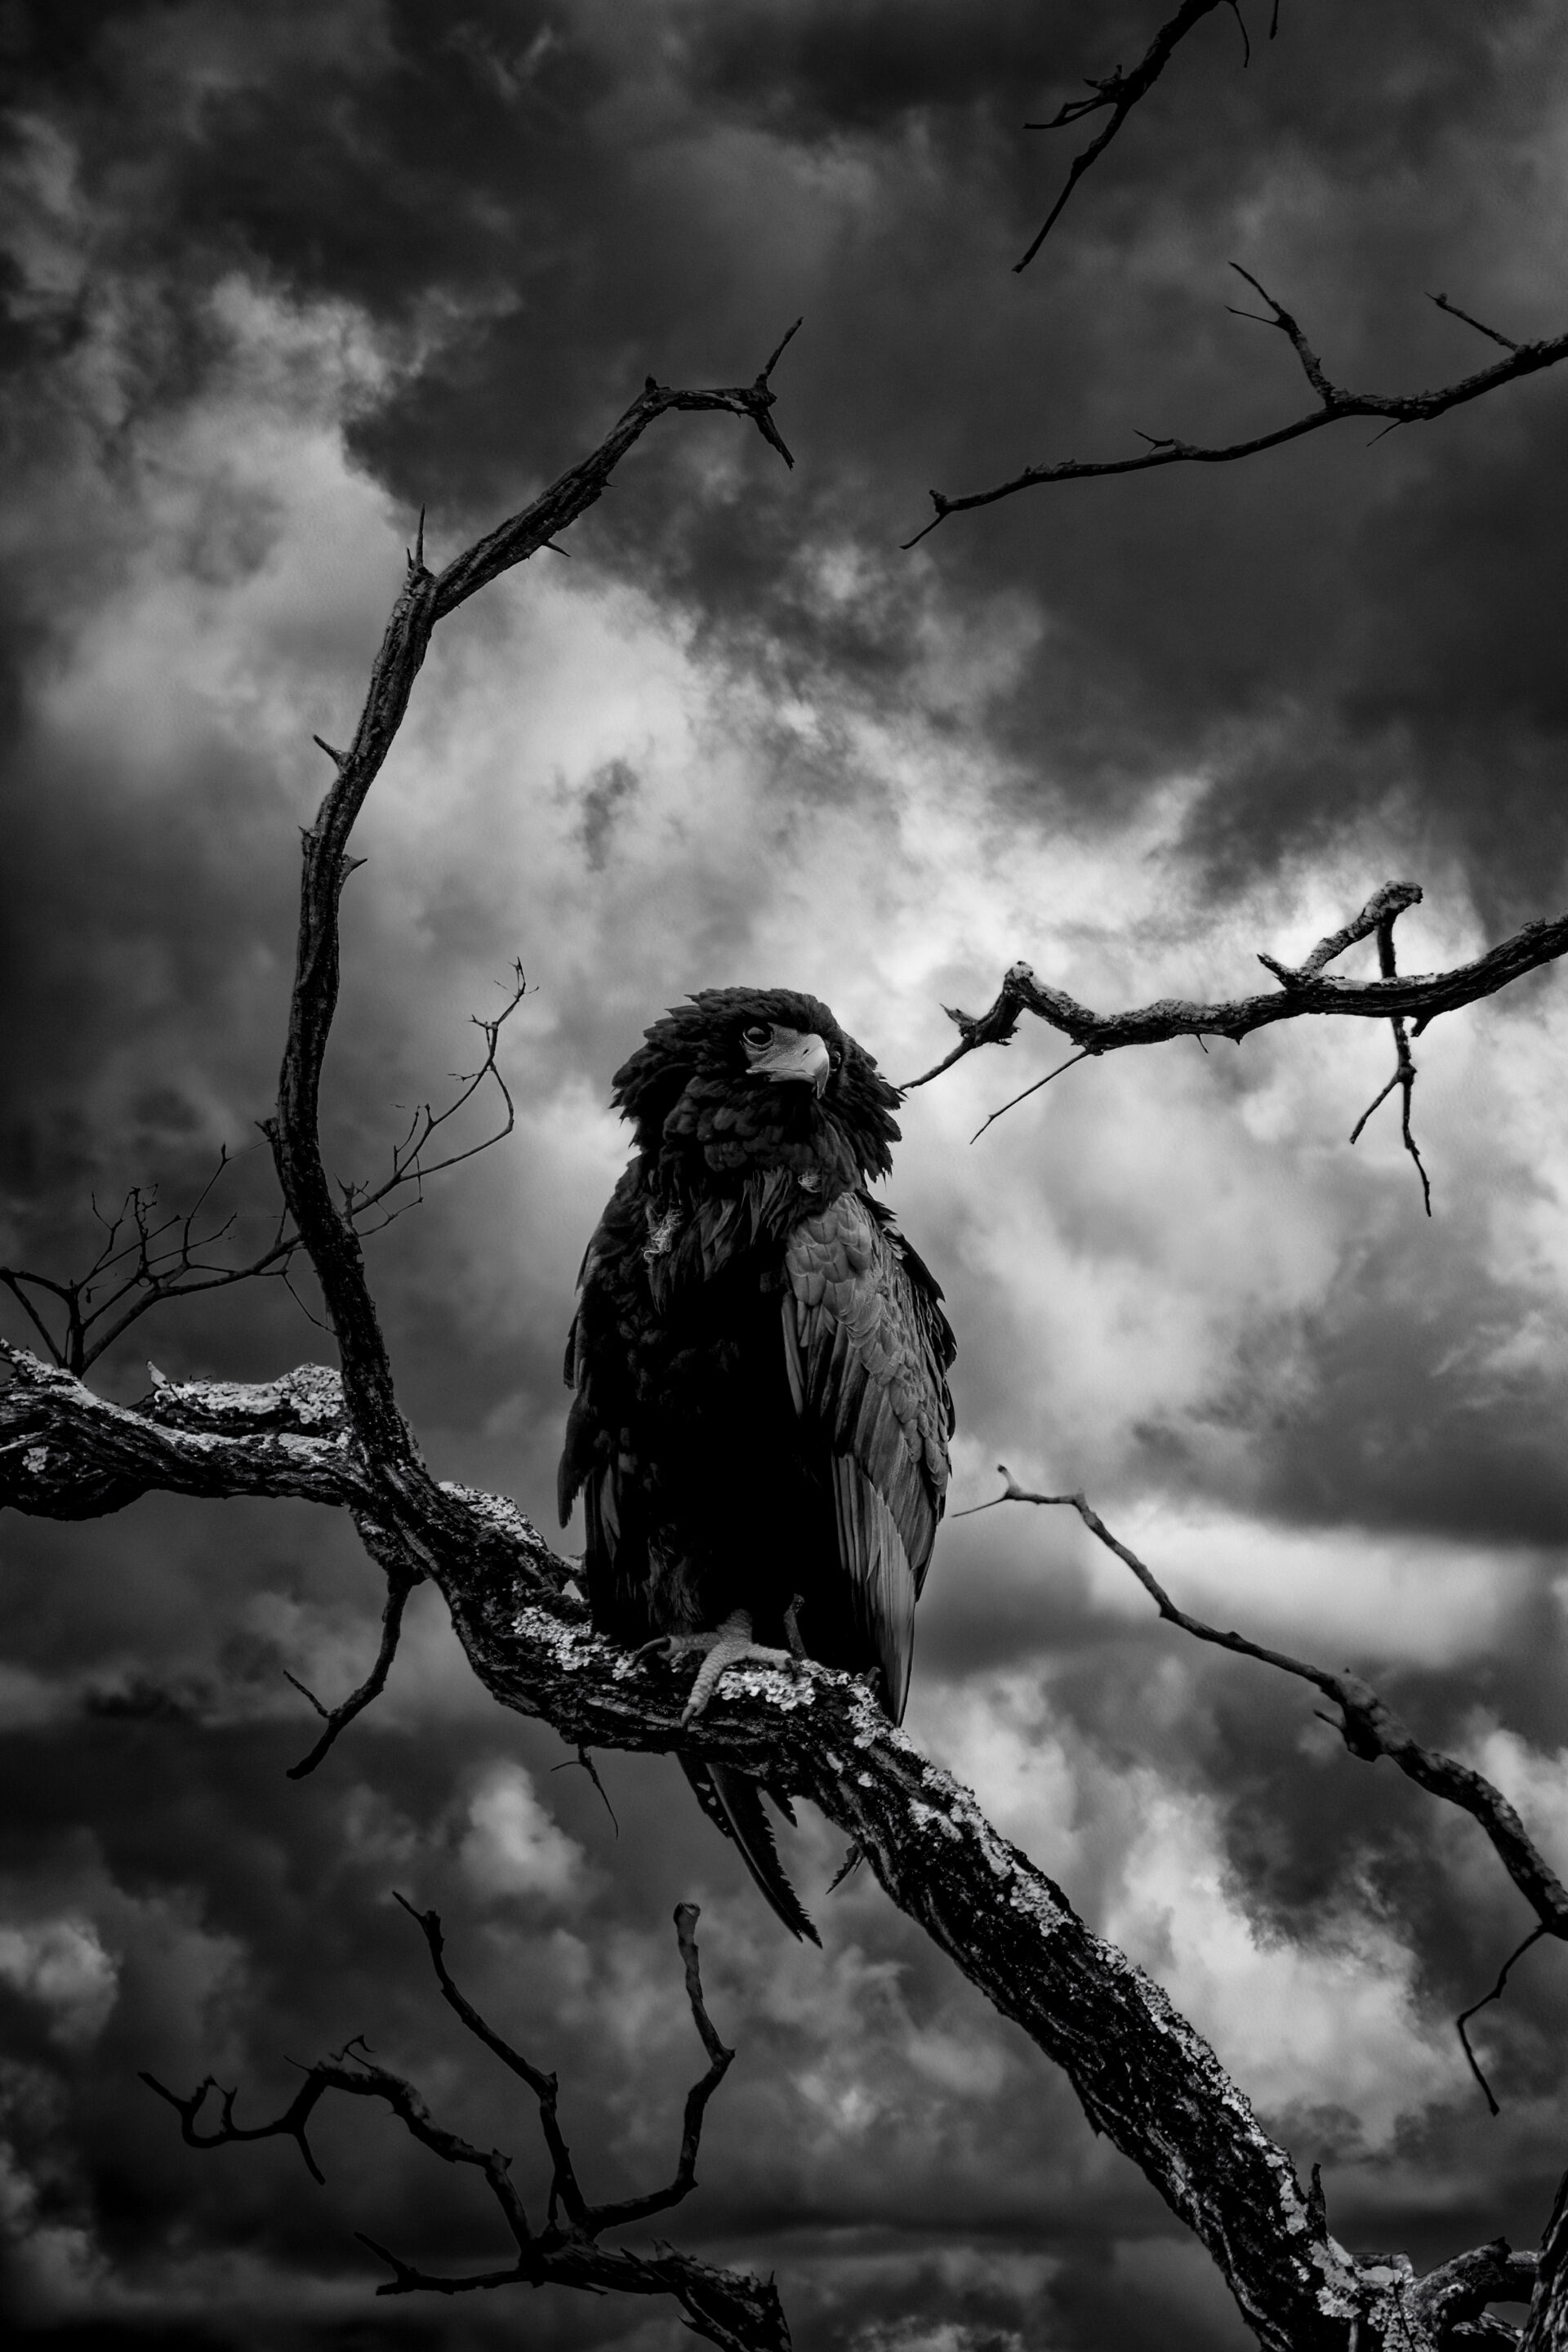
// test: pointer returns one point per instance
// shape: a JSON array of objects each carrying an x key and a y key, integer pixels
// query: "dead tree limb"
[
  {"x": 327, "y": 1234},
  {"x": 1334, "y": 407},
  {"x": 1452, "y": 2299},
  {"x": 1403, "y": 1066},
  {"x": 1304, "y": 988},
  {"x": 1546, "y": 2330},
  {"x": 730, "y": 2308},
  {"x": 1118, "y": 93},
  {"x": 1367, "y": 1724},
  {"x": 162, "y": 1259},
  {"x": 1369, "y": 1729}
]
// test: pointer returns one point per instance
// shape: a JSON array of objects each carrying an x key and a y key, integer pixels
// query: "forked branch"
[
  {"x": 730, "y": 2308},
  {"x": 400, "y": 1583},
  {"x": 1335, "y": 405},
  {"x": 1116, "y": 93},
  {"x": 147, "y": 1260},
  {"x": 1307, "y": 988}
]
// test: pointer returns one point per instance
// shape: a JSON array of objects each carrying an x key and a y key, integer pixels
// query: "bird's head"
[{"x": 742, "y": 1078}]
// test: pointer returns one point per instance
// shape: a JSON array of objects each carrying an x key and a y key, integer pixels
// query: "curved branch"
[
  {"x": 1451, "y": 2299},
  {"x": 1334, "y": 407},
  {"x": 658, "y": 2200},
  {"x": 338, "y": 1718},
  {"x": 328, "y": 1235},
  {"x": 1368, "y": 1725}
]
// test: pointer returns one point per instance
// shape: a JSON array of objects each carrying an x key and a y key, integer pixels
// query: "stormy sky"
[{"x": 277, "y": 276}]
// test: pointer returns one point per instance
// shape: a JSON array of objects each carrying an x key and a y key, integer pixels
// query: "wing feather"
[{"x": 866, "y": 1348}]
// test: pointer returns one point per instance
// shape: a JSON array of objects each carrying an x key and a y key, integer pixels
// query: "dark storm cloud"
[{"x": 602, "y": 192}]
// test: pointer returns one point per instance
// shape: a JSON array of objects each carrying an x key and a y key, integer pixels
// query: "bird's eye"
[
  {"x": 757, "y": 1034},
  {"x": 835, "y": 1059}
]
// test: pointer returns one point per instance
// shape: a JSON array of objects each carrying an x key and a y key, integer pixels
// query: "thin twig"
[
  {"x": 1335, "y": 405},
  {"x": 339, "y": 1717},
  {"x": 1495, "y": 1994},
  {"x": 1491, "y": 334},
  {"x": 1119, "y": 92},
  {"x": 1035, "y": 1089},
  {"x": 1403, "y": 1066},
  {"x": 584, "y": 1761}
]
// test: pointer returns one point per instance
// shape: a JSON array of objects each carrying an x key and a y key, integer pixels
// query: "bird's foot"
[{"x": 728, "y": 1644}]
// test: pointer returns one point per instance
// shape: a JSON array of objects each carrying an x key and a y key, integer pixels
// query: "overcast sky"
[{"x": 276, "y": 276}]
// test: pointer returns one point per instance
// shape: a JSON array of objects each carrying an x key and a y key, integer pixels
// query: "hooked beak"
[{"x": 797, "y": 1057}]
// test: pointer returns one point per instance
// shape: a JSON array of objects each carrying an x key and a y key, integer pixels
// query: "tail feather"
[{"x": 734, "y": 1801}]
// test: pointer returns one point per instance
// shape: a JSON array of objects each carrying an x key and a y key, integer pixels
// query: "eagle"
[{"x": 761, "y": 1416}]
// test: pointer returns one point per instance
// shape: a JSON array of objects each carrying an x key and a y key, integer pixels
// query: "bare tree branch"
[
  {"x": 326, "y": 1234},
  {"x": 1403, "y": 1066},
  {"x": 1451, "y": 2299},
  {"x": 1367, "y": 1725},
  {"x": 1546, "y": 2330},
  {"x": 1496, "y": 1993},
  {"x": 339, "y": 1717},
  {"x": 1118, "y": 94},
  {"x": 165, "y": 1259},
  {"x": 1335, "y": 405},
  {"x": 1306, "y": 989},
  {"x": 1142, "y": 2074},
  {"x": 730, "y": 2308}
]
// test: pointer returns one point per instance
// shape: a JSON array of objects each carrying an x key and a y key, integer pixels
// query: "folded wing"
[{"x": 866, "y": 1348}]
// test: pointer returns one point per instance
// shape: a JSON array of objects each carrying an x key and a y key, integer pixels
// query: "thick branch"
[
  {"x": 1304, "y": 988},
  {"x": 66, "y": 1454},
  {"x": 1452, "y": 2299},
  {"x": 1334, "y": 407},
  {"x": 1546, "y": 2330}
]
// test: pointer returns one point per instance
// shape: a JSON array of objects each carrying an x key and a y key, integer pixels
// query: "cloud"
[
  {"x": 511, "y": 1847},
  {"x": 61, "y": 1966},
  {"x": 1329, "y": 2022}
]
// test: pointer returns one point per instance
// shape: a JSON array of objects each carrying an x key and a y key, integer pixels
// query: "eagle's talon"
[{"x": 728, "y": 1644}]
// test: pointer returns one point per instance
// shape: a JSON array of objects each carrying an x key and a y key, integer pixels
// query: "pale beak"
[{"x": 795, "y": 1056}]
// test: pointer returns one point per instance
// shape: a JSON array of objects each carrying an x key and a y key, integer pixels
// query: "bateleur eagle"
[{"x": 760, "y": 1426}]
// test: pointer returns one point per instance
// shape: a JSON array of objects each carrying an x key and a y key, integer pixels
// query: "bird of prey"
[{"x": 762, "y": 1413}]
